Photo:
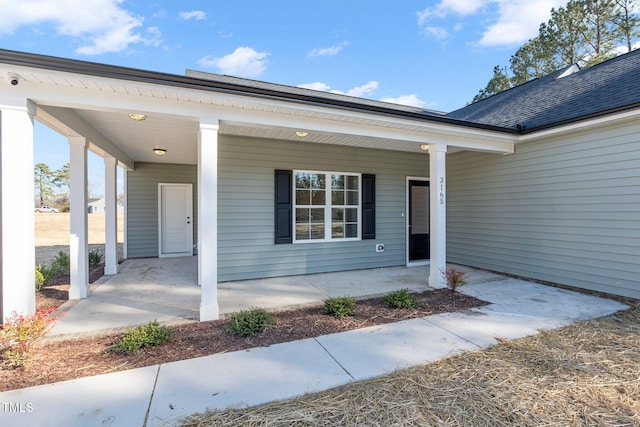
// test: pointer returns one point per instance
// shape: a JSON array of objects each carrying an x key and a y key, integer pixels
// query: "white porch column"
[
  {"x": 110, "y": 217},
  {"x": 78, "y": 240},
  {"x": 17, "y": 241},
  {"x": 438, "y": 214},
  {"x": 208, "y": 219}
]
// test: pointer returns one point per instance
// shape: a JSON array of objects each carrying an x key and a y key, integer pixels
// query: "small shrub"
[
  {"x": 95, "y": 257},
  {"x": 19, "y": 332},
  {"x": 250, "y": 322},
  {"x": 340, "y": 307},
  {"x": 148, "y": 335},
  {"x": 455, "y": 278},
  {"x": 39, "y": 279},
  {"x": 400, "y": 299},
  {"x": 60, "y": 264}
]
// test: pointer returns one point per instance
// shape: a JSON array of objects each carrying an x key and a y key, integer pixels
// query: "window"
[{"x": 327, "y": 206}]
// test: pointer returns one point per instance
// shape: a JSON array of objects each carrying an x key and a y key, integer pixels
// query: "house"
[
  {"x": 98, "y": 205},
  {"x": 263, "y": 180}
]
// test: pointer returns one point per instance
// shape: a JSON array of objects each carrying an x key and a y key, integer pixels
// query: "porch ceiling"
[{"x": 178, "y": 135}]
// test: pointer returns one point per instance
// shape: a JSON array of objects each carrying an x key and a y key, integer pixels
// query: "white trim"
[
  {"x": 438, "y": 214},
  {"x": 110, "y": 214},
  {"x": 78, "y": 238},
  {"x": 327, "y": 207},
  {"x": 208, "y": 218},
  {"x": 407, "y": 214},
  {"x": 189, "y": 207},
  {"x": 16, "y": 209}
]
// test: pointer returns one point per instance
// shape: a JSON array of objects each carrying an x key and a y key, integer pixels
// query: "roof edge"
[{"x": 95, "y": 69}]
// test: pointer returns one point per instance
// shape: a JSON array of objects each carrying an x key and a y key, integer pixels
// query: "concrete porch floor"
[{"x": 166, "y": 290}]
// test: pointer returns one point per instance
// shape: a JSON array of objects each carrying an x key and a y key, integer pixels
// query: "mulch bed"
[{"x": 63, "y": 360}]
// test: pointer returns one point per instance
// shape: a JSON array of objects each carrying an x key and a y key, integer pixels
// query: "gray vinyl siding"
[
  {"x": 142, "y": 204},
  {"x": 565, "y": 210},
  {"x": 246, "y": 246}
]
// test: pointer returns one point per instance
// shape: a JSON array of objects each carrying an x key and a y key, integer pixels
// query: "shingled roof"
[{"x": 562, "y": 97}]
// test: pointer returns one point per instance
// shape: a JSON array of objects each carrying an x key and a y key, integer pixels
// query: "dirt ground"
[
  {"x": 53, "y": 228},
  {"x": 62, "y": 360}
]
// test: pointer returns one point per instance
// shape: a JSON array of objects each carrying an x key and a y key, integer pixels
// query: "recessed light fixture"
[
  {"x": 160, "y": 151},
  {"x": 137, "y": 117},
  {"x": 301, "y": 134},
  {"x": 424, "y": 147}
]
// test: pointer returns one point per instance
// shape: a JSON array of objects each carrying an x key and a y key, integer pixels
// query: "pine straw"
[{"x": 585, "y": 374}]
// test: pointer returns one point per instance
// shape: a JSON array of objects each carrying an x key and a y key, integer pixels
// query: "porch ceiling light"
[
  {"x": 160, "y": 151},
  {"x": 301, "y": 134},
  {"x": 424, "y": 147},
  {"x": 137, "y": 117}
]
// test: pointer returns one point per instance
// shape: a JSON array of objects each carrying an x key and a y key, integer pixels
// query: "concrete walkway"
[
  {"x": 160, "y": 395},
  {"x": 166, "y": 290}
]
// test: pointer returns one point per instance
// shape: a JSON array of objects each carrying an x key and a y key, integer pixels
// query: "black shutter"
[
  {"x": 368, "y": 206},
  {"x": 283, "y": 205}
]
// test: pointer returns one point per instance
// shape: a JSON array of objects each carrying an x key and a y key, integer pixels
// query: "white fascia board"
[
  {"x": 69, "y": 123},
  {"x": 609, "y": 120}
]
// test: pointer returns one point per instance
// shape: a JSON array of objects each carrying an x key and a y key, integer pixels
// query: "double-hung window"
[{"x": 327, "y": 206}]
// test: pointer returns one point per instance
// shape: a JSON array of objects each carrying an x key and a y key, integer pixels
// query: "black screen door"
[{"x": 418, "y": 221}]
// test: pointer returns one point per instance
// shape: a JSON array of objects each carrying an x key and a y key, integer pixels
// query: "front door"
[
  {"x": 176, "y": 220},
  {"x": 418, "y": 228}
]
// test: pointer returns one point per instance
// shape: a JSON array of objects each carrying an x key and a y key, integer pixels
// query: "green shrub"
[
  {"x": 148, "y": 335},
  {"x": 42, "y": 276},
  {"x": 95, "y": 257},
  {"x": 60, "y": 264},
  {"x": 250, "y": 322},
  {"x": 19, "y": 332},
  {"x": 340, "y": 306},
  {"x": 400, "y": 299}
]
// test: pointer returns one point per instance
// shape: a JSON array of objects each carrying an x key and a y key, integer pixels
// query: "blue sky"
[{"x": 431, "y": 54}]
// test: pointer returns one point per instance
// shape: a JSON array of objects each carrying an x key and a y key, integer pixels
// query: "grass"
[
  {"x": 53, "y": 229},
  {"x": 585, "y": 374}
]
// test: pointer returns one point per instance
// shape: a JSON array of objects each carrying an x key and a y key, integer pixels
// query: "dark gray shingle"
[{"x": 609, "y": 86}]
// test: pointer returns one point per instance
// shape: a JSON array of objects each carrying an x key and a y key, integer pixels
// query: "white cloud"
[
  {"x": 439, "y": 33},
  {"x": 449, "y": 7},
  {"x": 518, "y": 21},
  {"x": 198, "y": 15},
  {"x": 113, "y": 29},
  {"x": 322, "y": 87},
  {"x": 243, "y": 62},
  {"x": 513, "y": 21},
  {"x": 411, "y": 100},
  {"x": 328, "y": 51},
  {"x": 362, "y": 91}
]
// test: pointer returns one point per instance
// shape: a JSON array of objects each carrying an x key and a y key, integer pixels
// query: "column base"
[{"x": 209, "y": 312}]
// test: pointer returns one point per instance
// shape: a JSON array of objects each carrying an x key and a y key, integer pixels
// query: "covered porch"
[{"x": 134, "y": 117}]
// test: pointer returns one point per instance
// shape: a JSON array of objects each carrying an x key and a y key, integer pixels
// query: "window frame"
[{"x": 328, "y": 206}]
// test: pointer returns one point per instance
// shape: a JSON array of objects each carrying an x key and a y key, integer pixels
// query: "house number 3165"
[{"x": 441, "y": 189}]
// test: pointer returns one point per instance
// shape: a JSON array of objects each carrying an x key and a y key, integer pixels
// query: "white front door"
[{"x": 175, "y": 207}]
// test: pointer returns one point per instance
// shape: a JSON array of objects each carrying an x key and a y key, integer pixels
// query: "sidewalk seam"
[
  {"x": 334, "y": 359},
  {"x": 153, "y": 390}
]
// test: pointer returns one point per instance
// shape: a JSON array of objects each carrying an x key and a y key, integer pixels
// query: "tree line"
[
  {"x": 584, "y": 32},
  {"x": 47, "y": 181}
]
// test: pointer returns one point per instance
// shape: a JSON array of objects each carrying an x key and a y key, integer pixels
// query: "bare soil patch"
[
  {"x": 586, "y": 374},
  {"x": 62, "y": 360}
]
